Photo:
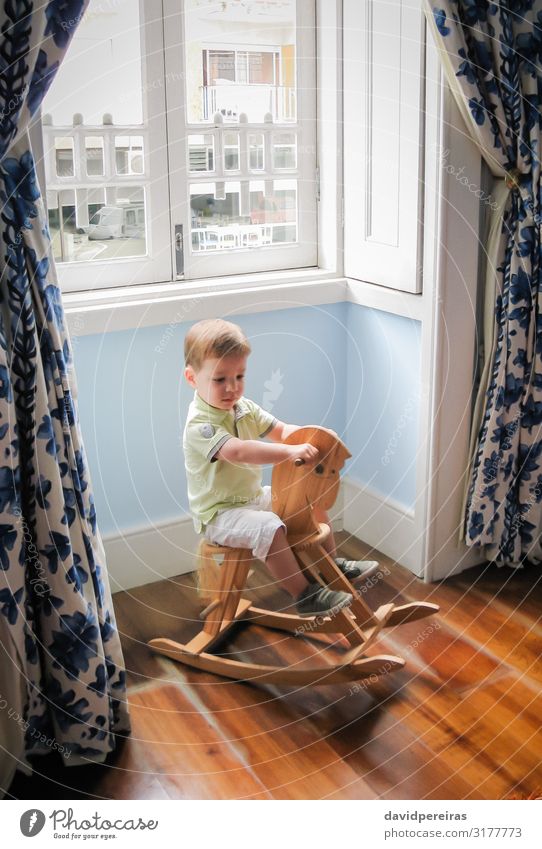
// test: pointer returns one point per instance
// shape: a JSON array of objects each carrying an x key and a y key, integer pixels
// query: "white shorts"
[{"x": 252, "y": 525}]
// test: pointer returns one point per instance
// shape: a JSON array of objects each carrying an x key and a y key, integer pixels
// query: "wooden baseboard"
[
  {"x": 391, "y": 528},
  {"x": 150, "y": 553},
  {"x": 385, "y": 524}
]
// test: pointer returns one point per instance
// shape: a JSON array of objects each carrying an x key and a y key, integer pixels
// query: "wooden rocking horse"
[{"x": 297, "y": 489}]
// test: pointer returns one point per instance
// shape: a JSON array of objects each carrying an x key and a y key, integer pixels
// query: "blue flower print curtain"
[
  {"x": 492, "y": 56},
  {"x": 56, "y": 615}
]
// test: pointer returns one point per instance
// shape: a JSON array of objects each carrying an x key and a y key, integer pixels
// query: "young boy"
[{"x": 223, "y": 458}]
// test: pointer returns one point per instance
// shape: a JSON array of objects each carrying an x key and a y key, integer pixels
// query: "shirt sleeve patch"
[{"x": 207, "y": 430}]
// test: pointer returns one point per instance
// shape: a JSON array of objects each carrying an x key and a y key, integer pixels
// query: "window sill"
[
  {"x": 407, "y": 304},
  {"x": 106, "y": 311}
]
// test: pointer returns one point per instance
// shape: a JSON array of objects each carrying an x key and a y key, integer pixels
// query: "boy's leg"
[
  {"x": 329, "y": 543},
  {"x": 264, "y": 533},
  {"x": 311, "y": 599},
  {"x": 283, "y": 566},
  {"x": 352, "y": 569}
]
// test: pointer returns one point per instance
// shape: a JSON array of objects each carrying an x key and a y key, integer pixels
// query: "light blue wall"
[
  {"x": 382, "y": 390},
  {"x": 347, "y": 367},
  {"x": 133, "y": 402}
]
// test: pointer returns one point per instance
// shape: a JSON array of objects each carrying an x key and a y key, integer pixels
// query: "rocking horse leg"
[
  {"x": 237, "y": 565},
  {"x": 202, "y": 642},
  {"x": 233, "y": 575},
  {"x": 225, "y": 610},
  {"x": 388, "y": 615},
  {"x": 358, "y": 629},
  {"x": 319, "y": 561}
]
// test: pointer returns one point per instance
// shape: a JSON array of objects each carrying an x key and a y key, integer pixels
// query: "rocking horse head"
[{"x": 299, "y": 488}]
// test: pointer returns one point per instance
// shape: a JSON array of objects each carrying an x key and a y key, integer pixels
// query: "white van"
[{"x": 116, "y": 222}]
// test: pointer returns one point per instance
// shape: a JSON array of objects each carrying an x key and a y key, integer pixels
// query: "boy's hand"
[{"x": 305, "y": 452}]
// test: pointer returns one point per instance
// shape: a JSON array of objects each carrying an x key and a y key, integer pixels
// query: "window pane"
[
  {"x": 212, "y": 213},
  {"x": 241, "y": 215},
  {"x": 201, "y": 153},
  {"x": 284, "y": 151},
  {"x": 261, "y": 67},
  {"x": 94, "y": 148},
  {"x": 254, "y": 74},
  {"x": 222, "y": 65},
  {"x": 256, "y": 152},
  {"x": 102, "y": 69},
  {"x": 106, "y": 222},
  {"x": 231, "y": 151},
  {"x": 64, "y": 157},
  {"x": 129, "y": 154},
  {"x": 278, "y": 209}
]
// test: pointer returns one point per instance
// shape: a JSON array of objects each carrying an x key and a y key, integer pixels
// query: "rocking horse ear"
[{"x": 342, "y": 454}]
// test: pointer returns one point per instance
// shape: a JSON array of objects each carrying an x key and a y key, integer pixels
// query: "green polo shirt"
[{"x": 215, "y": 484}]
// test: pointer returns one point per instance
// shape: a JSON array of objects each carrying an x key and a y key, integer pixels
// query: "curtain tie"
[{"x": 513, "y": 178}]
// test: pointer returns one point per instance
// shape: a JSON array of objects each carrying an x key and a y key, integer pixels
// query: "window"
[{"x": 196, "y": 141}]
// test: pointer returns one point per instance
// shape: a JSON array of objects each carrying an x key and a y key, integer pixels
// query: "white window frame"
[
  {"x": 156, "y": 264},
  {"x": 301, "y": 254},
  {"x": 165, "y": 201}
]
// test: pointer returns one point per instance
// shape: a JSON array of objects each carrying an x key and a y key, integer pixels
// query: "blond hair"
[{"x": 214, "y": 337}]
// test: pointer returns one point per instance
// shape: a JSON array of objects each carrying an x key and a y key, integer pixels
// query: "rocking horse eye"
[{"x": 319, "y": 469}]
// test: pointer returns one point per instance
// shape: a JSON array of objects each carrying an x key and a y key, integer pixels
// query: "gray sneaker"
[
  {"x": 354, "y": 570},
  {"x": 316, "y": 600}
]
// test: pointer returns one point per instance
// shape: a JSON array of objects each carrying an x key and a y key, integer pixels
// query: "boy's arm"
[
  {"x": 281, "y": 431},
  {"x": 252, "y": 451}
]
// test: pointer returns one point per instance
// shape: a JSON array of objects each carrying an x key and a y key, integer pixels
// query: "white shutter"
[{"x": 383, "y": 132}]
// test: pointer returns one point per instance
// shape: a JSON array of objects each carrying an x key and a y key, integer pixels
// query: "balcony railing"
[{"x": 230, "y": 100}]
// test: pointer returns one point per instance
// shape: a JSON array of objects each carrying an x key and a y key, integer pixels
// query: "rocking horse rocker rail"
[
  {"x": 297, "y": 489},
  {"x": 294, "y": 676}
]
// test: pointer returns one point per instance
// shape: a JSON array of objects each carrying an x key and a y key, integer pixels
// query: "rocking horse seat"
[{"x": 301, "y": 541}]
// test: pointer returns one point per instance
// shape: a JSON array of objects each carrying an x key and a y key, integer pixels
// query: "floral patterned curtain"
[
  {"x": 56, "y": 615},
  {"x": 492, "y": 57}
]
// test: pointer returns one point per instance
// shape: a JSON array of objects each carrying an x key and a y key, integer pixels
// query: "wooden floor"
[{"x": 462, "y": 720}]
